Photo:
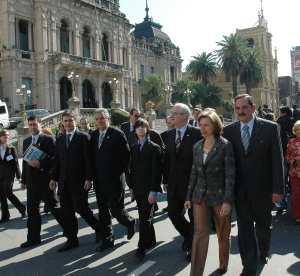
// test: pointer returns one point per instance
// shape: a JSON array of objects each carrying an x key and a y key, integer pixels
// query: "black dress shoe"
[
  {"x": 140, "y": 254},
  {"x": 151, "y": 245},
  {"x": 70, "y": 244},
  {"x": 5, "y": 219},
  {"x": 219, "y": 271},
  {"x": 30, "y": 244},
  {"x": 106, "y": 244},
  {"x": 130, "y": 230},
  {"x": 246, "y": 273}
]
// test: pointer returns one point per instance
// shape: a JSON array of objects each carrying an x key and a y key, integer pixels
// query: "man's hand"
[
  {"x": 276, "y": 198},
  {"x": 87, "y": 185},
  {"x": 152, "y": 198},
  {"x": 34, "y": 163},
  {"x": 52, "y": 185}
]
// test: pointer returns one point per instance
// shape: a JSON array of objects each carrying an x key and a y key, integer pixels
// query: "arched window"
[
  {"x": 86, "y": 42},
  {"x": 105, "y": 47},
  {"x": 64, "y": 37}
]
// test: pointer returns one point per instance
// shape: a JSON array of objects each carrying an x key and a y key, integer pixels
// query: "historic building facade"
[
  {"x": 267, "y": 91},
  {"x": 43, "y": 41}
]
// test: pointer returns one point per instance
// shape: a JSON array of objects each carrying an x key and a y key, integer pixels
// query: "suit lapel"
[
  {"x": 172, "y": 140},
  {"x": 213, "y": 151},
  {"x": 106, "y": 137},
  {"x": 254, "y": 135},
  {"x": 185, "y": 138}
]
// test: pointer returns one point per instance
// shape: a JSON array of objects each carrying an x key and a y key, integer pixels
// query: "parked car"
[
  {"x": 4, "y": 117},
  {"x": 39, "y": 113}
]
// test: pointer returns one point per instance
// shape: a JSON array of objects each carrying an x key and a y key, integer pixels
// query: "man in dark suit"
[
  {"x": 128, "y": 127},
  {"x": 73, "y": 171},
  {"x": 259, "y": 183},
  {"x": 110, "y": 159},
  {"x": 35, "y": 178},
  {"x": 178, "y": 163}
]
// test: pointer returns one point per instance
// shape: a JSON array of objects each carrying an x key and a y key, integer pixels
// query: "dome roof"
[{"x": 150, "y": 30}]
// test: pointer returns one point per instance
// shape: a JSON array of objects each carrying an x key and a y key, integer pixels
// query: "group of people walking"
[{"x": 206, "y": 168}]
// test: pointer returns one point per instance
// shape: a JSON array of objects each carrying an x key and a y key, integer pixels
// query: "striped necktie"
[
  {"x": 178, "y": 140},
  {"x": 101, "y": 137},
  {"x": 245, "y": 137}
]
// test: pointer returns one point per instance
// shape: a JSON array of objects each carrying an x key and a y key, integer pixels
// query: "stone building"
[
  {"x": 267, "y": 91},
  {"x": 43, "y": 41}
]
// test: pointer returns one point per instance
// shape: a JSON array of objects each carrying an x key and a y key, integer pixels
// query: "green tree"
[
  {"x": 231, "y": 57},
  {"x": 152, "y": 89},
  {"x": 203, "y": 68},
  {"x": 252, "y": 73},
  {"x": 207, "y": 95}
]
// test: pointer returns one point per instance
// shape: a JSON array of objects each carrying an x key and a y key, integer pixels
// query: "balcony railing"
[{"x": 66, "y": 59}]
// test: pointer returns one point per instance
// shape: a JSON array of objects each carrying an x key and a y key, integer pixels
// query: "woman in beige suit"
[{"x": 211, "y": 187}]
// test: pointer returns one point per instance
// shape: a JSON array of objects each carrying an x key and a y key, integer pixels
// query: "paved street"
[{"x": 165, "y": 259}]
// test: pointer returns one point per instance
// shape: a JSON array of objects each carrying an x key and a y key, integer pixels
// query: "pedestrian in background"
[{"x": 9, "y": 169}]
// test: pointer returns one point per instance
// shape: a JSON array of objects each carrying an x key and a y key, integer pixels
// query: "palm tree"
[
  {"x": 252, "y": 72},
  {"x": 231, "y": 57},
  {"x": 203, "y": 67}
]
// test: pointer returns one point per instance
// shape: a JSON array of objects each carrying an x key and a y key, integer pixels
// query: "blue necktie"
[{"x": 245, "y": 137}]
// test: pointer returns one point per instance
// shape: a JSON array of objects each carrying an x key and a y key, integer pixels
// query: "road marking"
[{"x": 142, "y": 268}]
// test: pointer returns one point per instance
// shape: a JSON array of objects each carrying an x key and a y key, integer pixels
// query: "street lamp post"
[
  {"x": 114, "y": 85},
  {"x": 188, "y": 94},
  {"x": 74, "y": 102},
  {"x": 168, "y": 98},
  {"x": 22, "y": 128},
  {"x": 23, "y": 93}
]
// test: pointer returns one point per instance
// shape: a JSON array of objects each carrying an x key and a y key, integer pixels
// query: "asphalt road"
[{"x": 165, "y": 259}]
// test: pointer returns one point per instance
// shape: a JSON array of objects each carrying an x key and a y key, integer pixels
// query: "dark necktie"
[
  {"x": 68, "y": 140},
  {"x": 100, "y": 141},
  {"x": 178, "y": 140},
  {"x": 245, "y": 137}
]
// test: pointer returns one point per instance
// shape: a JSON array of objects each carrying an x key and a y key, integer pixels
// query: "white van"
[{"x": 4, "y": 117}]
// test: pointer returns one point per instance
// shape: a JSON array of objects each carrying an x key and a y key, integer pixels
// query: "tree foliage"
[
  {"x": 152, "y": 89},
  {"x": 203, "y": 68}
]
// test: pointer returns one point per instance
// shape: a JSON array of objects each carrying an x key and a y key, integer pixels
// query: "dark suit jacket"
[
  {"x": 145, "y": 168},
  {"x": 109, "y": 162},
  {"x": 177, "y": 166},
  {"x": 9, "y": 165},
  {"x": 213, "y": 180},
  {"x": 36, "y": 176},
  {"x": 259, "y": 172},
  {"x": 125, "y": 127},
  {"x": 73, "y": 164}
]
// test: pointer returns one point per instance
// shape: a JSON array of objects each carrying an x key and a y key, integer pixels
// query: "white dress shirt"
[
  {"x": 2, "y": 151},
  {"x": 250, "y": 124},
  {"x": 182, "y": 132}
]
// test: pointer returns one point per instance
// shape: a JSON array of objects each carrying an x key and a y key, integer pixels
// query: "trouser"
[
  {"x": 176, "y": 213},
  {"x": 6, "y": 192},
  {"x": 37, "y": 192},
  {"x": 249, "y": 211},
  {"x": 73, "y": 202},
  {"x": 111, "y": 206},
  {"x": 201, "y": 237},
  {"x": 146, "y": 230},
  {"x": 295, "y": 197}
]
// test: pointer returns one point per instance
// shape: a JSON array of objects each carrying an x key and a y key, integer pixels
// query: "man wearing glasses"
[{"x": 177, "y": 167}]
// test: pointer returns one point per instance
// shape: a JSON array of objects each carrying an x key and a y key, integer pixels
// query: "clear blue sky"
[{"x": 196, "y": 25}]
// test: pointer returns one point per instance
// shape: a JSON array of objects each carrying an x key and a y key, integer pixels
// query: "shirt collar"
[
  {"x": 142, "y": 142},
  {"x": 250, "y": 124},
  {"x": 102, "y": 131},
  {"x": 182, "y": 130}
]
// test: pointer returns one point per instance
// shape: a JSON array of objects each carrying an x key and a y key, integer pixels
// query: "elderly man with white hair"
[
  {"x": 178, "y": 163},
  {"x": 110, "y": 158}
]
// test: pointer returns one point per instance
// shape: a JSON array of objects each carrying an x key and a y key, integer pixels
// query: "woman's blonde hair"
[
  {"x": 215, "y": 120},
  {"x": 297, "y": 124}
]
